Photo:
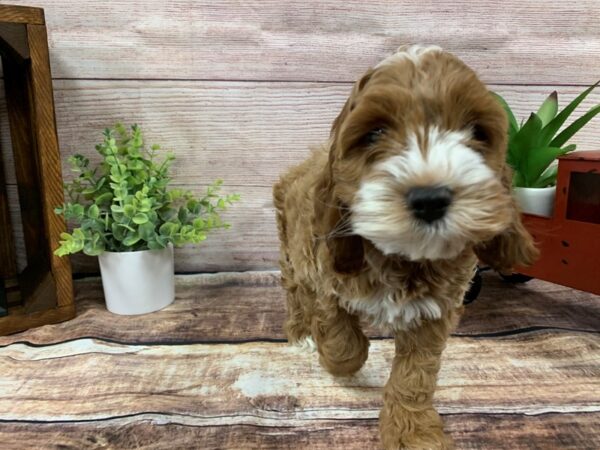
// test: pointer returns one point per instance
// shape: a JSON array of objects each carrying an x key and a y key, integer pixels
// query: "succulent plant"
[
  {"x": 124, "y": 203},
  {"x": 535, "y": 144}
]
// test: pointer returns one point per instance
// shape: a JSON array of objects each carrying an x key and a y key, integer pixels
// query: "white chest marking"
[{"x": 386, "y": 313}]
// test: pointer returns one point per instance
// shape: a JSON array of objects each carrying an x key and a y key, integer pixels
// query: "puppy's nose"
[{"x": 429, "y": 203}]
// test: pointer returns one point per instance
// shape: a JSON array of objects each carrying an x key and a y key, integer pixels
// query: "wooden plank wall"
[{"x": 241, "y": 89}]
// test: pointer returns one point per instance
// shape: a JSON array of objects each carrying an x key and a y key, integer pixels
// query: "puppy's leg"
[
  {"x": 343, "y": 347},
  {"x": 299, "y": 305},
  {"x": 408, "y": 419},
  {"x": 299, "y": 301}
]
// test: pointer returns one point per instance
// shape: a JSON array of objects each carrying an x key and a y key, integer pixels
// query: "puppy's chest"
[{"x": 387, "y": 311}]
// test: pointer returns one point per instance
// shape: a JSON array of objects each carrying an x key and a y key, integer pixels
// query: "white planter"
[
  {"x": 138, "y": 282},
  {"x": 538, "y": 201}
]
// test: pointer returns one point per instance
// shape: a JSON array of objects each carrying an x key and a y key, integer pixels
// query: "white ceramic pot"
[
  {"x": 538, "y": 201},
  {"x": 138, "y": 282}
]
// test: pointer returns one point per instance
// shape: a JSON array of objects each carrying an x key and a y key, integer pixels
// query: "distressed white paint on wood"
[
  {"x": 273, "y": 383},
  {"x": 245, "y": 133},
  {"x": 515, "y": 41}
]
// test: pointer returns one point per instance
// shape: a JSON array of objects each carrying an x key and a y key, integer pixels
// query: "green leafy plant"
[
  {"x": 535, "y": 144},
  {"x": 123, "y": 204}
]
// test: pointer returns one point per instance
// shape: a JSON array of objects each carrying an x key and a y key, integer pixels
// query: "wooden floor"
[{"x": 214, "y": 371}]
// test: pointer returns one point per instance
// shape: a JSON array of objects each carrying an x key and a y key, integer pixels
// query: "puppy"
[{"x": 387, "y": 221}]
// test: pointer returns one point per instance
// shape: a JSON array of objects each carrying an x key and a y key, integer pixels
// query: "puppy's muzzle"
[{"x": 429, "y": 203}]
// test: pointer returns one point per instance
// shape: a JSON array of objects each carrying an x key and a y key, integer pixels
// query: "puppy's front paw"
[
  {"x": 307, "y": 343},
  {"x": 404, "y": 430}
]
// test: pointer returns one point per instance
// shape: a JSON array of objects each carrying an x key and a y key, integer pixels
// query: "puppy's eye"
[
  {"x": 480, "y": 133},
  {"x": 374, "y": 135}
]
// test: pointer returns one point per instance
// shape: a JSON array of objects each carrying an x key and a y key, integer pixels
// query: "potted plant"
[
  {"x": 125, "y": 213},
  {"x": 534, "y": 145}
]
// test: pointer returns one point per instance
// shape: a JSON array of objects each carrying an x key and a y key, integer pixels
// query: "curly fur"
[{"x": 350, "y": 247}]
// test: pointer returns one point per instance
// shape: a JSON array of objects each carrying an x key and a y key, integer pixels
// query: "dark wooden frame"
[{"x": 45, "y": 285}]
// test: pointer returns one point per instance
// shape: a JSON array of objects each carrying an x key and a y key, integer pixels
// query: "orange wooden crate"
[{"x": 570, "y": 240}]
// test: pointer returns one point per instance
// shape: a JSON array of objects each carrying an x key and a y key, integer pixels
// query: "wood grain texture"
[
  {"x": 245, "y": 133},
  {"x": 48, "y": 156},
  {"x": 185, "y": 377},
  {"x": 509, "y": 42},
  {"x": 21, "y": 318},
  {"x": 45, "y": 284},
  {"x": 233, "y": 307},
  {"x": 273, "y": 383},
  {"x": 470, "y": 431},
  {"x": 21, "y": 14}
]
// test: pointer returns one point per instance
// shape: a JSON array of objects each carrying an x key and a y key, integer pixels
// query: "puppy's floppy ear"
[
  {"x": 331, "y": 214},
  {"x": 513, "y": 247},
  {"x": 331, "y": 224},
  {"x": 349, "y": 105}
]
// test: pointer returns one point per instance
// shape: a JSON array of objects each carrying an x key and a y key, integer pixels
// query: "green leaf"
[
  {"x": 93, "y": 246},
  {"x": 70, "y": 243},
  {"x": 182, "y": 214},
  {"x": 162, "y": 241},
  {"x": 554, "y": 125},
  {"x": 118, "y": 232},
  {"x": 129, "y": 211},
  {"x": 89, "y": 190},
  {"x": 512, "y": 122},
  {"x": 140, "y": 218},
  {"x": 61, "y": 251},
  {"x": 520, "y": 145},
  {"x": 568, "y": 132},
  {"x": 131, "y": 239},
  {"x": 168, "y": 229},
  {"x": 125, "y": 226},
  {"x": 146, "y": 231},
  {"x": 538, "y": 162},
  {"x": 569, "y": 148},
  {"x": 104, "y": 199},
  {"x": 155, "y": 245},
  {"x": 167, "y": 213},
  {"x": 136, "y": 165},
  {"x": 145, "y": 205},
  {"x": 549, "y": 108},
  {"x": 93, "y": 211},
  {"x": 548, "y": 178}
]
